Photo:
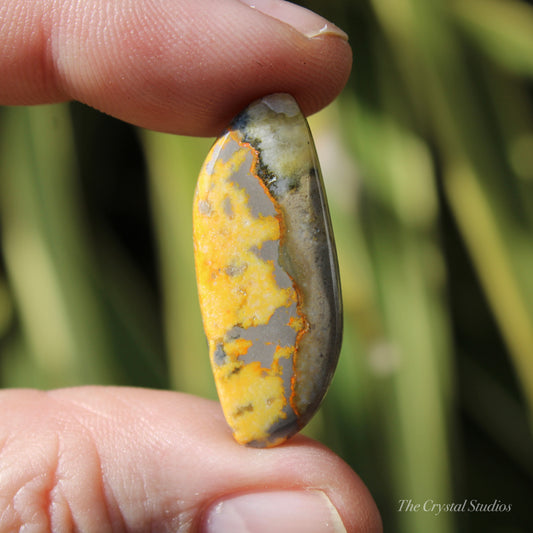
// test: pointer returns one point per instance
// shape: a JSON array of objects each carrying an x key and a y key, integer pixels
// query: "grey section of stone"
[
  {"x": 204, "y": 207},
  {"x": 220, "y": 152},
  {"x": 282, "y": 429},
  {"x": 269, "y": 251},
  {"x": 258, "y": 200},
  {"x": 228, "y": 149},
  {"x": 228, "y": 208},
  {"x": 308, "y": 255},
  {"x": 287, "y": 372},
  {"x": 220, "y": 356},
  {"x": 282, "y": 104},
  {"x": 266, "y": 337},
  {"x": 210, "y": 165}
]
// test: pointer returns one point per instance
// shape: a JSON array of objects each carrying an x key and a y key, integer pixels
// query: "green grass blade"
[
  {"x": 174, "y": 163},
  {"x": 44, "y": 246}
]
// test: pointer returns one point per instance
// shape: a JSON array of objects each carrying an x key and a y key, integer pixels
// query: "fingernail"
[
  {"x": 300, "y": 18},
  {"x": 283, "y": 512}
]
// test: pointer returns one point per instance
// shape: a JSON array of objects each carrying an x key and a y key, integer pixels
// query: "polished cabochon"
[{"x": 267, "y": 272}]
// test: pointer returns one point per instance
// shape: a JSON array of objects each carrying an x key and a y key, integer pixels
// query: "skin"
[
  {"x": 158, "y": 66},
  {"x": 118, "y": 459}
]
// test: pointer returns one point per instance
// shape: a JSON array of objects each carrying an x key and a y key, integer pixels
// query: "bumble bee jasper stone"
[{"x": 267, "y": 272}]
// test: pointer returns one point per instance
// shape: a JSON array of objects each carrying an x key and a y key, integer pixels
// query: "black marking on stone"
[
  {"x": 263, "y": 171},
  {"x": 267, "y": 176},
  {"x": 272, "y": 181},
  {"x": 243, "y": 409},
  {"x": 235, "y": 371},
  {"x": 240, "y": 122}
]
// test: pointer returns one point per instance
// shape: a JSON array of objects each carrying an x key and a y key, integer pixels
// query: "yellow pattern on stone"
[
  {"x": 237, "y": 288},
  {"x": 235, "y": 285},
  {"x": 252, "y": 399}
]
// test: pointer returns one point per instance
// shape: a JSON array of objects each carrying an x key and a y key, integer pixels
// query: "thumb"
[
  {"x": 180, "y": 66},
  {"x": 99, "y": 460}
]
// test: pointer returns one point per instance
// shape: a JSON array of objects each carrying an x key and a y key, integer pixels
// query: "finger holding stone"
[
  {"x": 183, "y": 67},
  {"x": 120, "y": 459}
]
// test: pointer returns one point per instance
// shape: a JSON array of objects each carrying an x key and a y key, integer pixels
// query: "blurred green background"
[{"x": 428, "y": 162}]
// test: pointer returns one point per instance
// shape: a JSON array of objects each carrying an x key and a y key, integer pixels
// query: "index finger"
[{"x": 178, "y": 66}]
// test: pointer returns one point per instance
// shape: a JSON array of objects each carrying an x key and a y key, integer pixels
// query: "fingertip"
[
  {"x": 342, "y": 485},
  {"x": 314, "y": 78}
]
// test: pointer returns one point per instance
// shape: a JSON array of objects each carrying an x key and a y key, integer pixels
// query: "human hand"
[
  {"x": 102, "y": 459},
  {"x": 116, "y": 459},
  {"x": 179, "y": 66}
]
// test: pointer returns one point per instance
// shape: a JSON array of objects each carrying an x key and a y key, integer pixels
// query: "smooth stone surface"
[{"x": 267, "y": 272}]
